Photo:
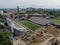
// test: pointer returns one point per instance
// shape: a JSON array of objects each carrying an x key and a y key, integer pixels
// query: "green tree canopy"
[
  {"x": 1, "y": 16},
  {"x": 4, "y": 39}
]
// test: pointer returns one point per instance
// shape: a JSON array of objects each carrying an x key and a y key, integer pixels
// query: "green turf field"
[
  {"x": 31, "y": 25},
  {"x": 56, "y": 21}
]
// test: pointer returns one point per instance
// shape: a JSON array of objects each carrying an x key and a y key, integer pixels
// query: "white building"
[
  {"x": 1, "y": 12},
  {"x": 16, "y": 28}
]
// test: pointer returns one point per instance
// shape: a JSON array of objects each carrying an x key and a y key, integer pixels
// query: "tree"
[
  {"x": 1, "y": 16},
  {"x": 4, "y": 39}
]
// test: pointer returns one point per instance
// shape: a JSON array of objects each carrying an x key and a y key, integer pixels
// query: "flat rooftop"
[{"x": 40, "y": 20}]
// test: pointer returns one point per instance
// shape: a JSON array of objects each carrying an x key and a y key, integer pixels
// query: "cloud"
[{"x": 30, "y": 3}]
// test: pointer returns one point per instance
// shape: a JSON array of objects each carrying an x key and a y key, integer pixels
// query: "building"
[
  {"x": 17, "y": 9},
  {"x": 37, "y": 15},
  {"x": 15, "y": 28},
  {"x": 40, "y": 20},
  {"x": 1, "y": 12},
  {"x": 57, "y": 25}
]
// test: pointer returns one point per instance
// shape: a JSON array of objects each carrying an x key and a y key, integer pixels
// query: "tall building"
[
  {"x": 18, "y": 9},
  {"x": 18, "y": 13}
]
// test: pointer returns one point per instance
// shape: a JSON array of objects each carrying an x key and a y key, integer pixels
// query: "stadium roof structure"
[{"x": 40, "y": 20}]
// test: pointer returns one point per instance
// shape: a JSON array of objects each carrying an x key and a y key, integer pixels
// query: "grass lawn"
[
  {"x": 31, "y": 25},
  {"x": 56, "y": 21}
]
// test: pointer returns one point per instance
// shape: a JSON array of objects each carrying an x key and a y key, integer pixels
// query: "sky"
[{"x": 30, "y": 3}]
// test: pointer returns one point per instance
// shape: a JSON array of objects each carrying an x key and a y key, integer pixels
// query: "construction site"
[{"x": 48, "y": 36}]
